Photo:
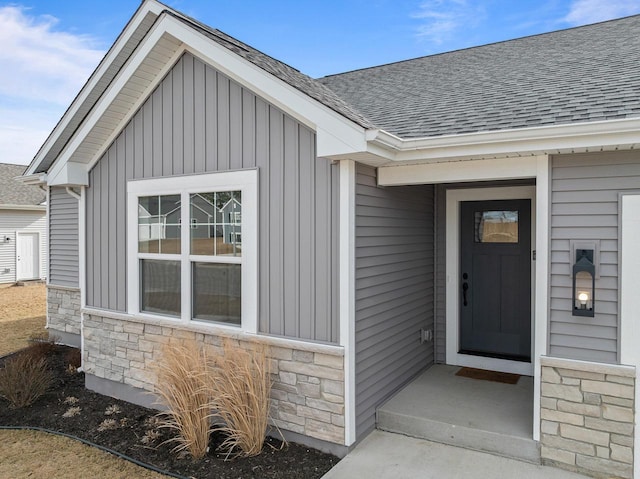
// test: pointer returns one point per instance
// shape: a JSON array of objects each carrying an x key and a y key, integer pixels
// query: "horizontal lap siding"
[
  {"x": 63, "y": 238},
  {"x": 394, "y": 289},
  {"x": 585, "y": 191},
  {"x": 20, "y": 221},
  {"x": 196, "y": 121}
]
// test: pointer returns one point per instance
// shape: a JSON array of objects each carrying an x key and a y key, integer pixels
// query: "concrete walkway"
[{"x": 384, "y": 455}]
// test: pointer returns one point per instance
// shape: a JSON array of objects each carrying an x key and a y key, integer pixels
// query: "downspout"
[
  {"x": 73, "y": 193},
  {"x": 81, "y": 246},
  {"x": 435, "y": 274}
]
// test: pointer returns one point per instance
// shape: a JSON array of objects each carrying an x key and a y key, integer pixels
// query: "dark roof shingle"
[
  {"x": 581, "y": 74},
  {"x": 12, "y": 192}
]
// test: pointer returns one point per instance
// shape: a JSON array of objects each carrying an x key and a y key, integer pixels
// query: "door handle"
[{"x": 465, "y": 287}]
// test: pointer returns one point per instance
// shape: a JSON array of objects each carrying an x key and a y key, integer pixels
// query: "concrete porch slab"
[
  {"x": 471, "y": 413},
  {"x": 384, "y": 455}
]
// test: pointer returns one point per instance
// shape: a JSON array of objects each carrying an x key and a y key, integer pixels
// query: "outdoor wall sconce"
[{"x": 584, "y": 283}]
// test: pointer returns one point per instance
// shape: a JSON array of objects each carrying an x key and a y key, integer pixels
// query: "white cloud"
[
  {"x": 23, "y": 131},
  {"x": 42, "y": 71},
  {"x": 583, "y": 12},
  {"x": 443, "y": 18}
]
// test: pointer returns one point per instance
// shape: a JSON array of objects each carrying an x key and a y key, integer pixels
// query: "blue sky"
[{"x": 51, "y": 47}]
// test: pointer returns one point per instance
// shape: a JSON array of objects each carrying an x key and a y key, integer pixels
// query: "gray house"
[
  {"x": 23, "y": 228},
  {"x": 400, "y": 224}
]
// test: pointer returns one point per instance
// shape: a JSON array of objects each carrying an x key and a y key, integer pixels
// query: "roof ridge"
[{"x": 480, "y": 46}]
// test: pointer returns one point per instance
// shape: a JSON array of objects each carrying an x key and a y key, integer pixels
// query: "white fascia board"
[
  {"x": 521, "y": 141},
  {"x": 459, "y": 171},
  {"x": 148, "y": 6},
  {"x": 70, "y": 174},
  {"x": 336, "y": 135}
]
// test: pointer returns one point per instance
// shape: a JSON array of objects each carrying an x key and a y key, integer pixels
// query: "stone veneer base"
[
  {"x": 63, "y": 309},
  {"x": 307, "y": 395},
  {"x": 587, "y": 417}
]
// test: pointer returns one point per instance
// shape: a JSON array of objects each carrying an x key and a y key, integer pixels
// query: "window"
[
  {"x": 496, "y": 226},
  {"x": 204, "y": 273}
]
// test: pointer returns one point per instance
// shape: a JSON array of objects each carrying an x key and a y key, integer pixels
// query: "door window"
[{"x": 496, "y": 226}]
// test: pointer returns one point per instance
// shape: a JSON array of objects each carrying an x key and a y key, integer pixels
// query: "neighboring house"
[
  {"x": 375, "y": 203},
  {"x": 23, "y": 228}
]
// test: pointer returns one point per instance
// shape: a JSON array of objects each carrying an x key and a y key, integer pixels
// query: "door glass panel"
[{"x": 496, "y": 226}]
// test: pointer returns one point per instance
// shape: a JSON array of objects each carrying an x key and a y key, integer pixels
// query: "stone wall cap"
[
  {"x": 225, "y": 332},
  {"x": 587, "y": 366},
  {"x": 62, "y": 288}
]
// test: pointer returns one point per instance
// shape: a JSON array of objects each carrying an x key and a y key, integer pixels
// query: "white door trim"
[
  {"x": 37, "y": 259},
  {"x": 454, "y": 197}
]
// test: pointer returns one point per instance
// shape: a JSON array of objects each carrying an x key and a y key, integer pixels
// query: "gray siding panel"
[
  {"x": 584, "y": 205},
  {"x": 63, "y": 238},
  {"x": 394, "y": 289},
  {"x": 198, "y": 120}
]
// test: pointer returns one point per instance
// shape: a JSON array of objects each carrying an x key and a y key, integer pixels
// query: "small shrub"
[
  {"x": 71, "y": 400},
  {"x": 74, "y": 358},
  {"x": 241, "y": 394},
  {"x": 72, "y": 412},
  {"x": 182, "y": 387},
  {"x": 111, "y": 410},
  {"x": 108, "y": 425},
  {"x": 23, "y": 379},
  {"x": 150, "y": 437},
  {"x": 42, "y": 345}
]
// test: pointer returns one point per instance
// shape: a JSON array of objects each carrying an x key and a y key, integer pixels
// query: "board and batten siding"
[
  {"x": 12, "y": 221},
  {"x": 584, "y": 206},
  {"x": 394, "y": 289},
  {"x": 199, "y": 121},
  {"x": 63, "y": 238}
]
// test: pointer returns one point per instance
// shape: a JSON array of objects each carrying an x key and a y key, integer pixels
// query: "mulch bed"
[{"x": 133, "y": 422}]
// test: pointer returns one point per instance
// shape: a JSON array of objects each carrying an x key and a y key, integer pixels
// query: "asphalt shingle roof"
[
  {"x": 13, "y": 192},
  {"x": 581, "y": 74},
  {"x": 282, "y": 71}
]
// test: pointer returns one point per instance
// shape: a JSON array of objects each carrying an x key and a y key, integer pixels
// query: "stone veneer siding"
[
  {"x": 587, "y": 417},
  {"x": 63, "y": 309},
  {"x": 308, "y": 390}
]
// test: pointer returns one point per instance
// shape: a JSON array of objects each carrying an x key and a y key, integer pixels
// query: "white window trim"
[{"x": 245, "y": 181}]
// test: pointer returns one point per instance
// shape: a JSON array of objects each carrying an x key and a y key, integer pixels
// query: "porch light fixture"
[{"x": 584, "y": 283}]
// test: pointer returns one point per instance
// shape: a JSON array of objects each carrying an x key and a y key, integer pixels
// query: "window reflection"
[
  {"x": 216, "y": 223},
  {"x": 159, "y": 224},
  {"x": 496, "y": 226}
]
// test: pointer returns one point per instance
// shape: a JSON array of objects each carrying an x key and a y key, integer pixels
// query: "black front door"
[{"x": 495, "y": 278}]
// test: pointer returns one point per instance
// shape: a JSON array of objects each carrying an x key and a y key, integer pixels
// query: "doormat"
[{"x": 495, "y": 376}]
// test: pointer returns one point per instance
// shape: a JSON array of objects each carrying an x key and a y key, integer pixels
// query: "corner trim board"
[{"x": 347, "y": 272}]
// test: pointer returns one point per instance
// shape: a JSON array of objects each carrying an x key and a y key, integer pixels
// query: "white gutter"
[
  {"x": 23, "y": 207},
  {"x": 524, "y": 140},
  {"x": 35, "y": 180}
]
